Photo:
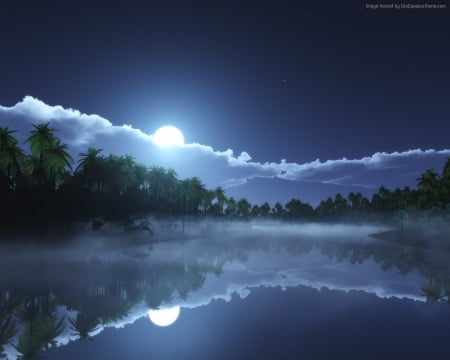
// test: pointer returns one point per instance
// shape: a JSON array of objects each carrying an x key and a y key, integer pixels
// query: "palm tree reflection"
[
  {"x": 103, "y": 293},
  {"x": 432, "y": 291},
  {"x": 8, "y": 330},
  {"x": 41, "y": 326},
  {"x": 84, "y": 325}
]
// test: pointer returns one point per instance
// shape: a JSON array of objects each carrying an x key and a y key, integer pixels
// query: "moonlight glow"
[
  {"x": 164, "y": 317},
  {"x": 168, "y": 136}
]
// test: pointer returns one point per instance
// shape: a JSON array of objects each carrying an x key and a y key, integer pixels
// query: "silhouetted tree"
[
  {"x": 255, "y": 211},
  {"x": 326, "y": 209},
  {"x": 57, "y": 159},
  {"x": 8, "y": 330},
  {"x": 432, "y": 291},
  {"x": 41, "y": 138},
  {"x": 445, "y": 183},
  {"x": 428, "y": 188},
  {"x": 243, "y": 208},
  {"x": 296, "y": 209},
  {"x": 157, "y": 177},
  {"x": 219, "y": 196},
  {"x": 84, "y": 325},
  {"x": 278, "y": 210},
  {"x": 230, "y": 210},
  {"x": 11, "y": 159},
  {"x": 91, "y": 167},
  {"x": 264, "y": 209}
]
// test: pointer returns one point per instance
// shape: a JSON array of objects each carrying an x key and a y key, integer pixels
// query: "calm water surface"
[{"x": 227, "y": 291}]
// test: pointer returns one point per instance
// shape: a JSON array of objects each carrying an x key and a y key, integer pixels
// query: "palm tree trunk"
[{"x": 184, "y": 210}]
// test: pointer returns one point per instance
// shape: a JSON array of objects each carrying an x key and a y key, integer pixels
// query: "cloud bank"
[{"x": 214, "y": 167}]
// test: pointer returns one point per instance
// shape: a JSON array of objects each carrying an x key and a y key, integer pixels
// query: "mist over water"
[
  {"x": 112, "y": 241},
  {"x": 114, "y": 278}
]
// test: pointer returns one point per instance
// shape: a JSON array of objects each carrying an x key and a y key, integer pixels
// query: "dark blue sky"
[{"x": 298, "y": 80}]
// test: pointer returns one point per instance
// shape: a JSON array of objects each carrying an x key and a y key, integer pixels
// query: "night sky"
[{"x": 293, "y": 80}]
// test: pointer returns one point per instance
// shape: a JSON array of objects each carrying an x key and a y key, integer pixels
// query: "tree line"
[{"x": 46, "y": 185}]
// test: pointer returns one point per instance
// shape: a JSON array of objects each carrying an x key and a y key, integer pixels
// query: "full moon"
[
  {"x": 164, "y": 317},
  {"x": 168, "y": 136}
]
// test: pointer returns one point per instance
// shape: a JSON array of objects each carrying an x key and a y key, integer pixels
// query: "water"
[{"x": 242, "y": 291}]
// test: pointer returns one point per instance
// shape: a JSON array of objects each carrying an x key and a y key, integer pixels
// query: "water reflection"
[
  {"x": 164, "y": 317},
  {"x": 54, "y": 297}
]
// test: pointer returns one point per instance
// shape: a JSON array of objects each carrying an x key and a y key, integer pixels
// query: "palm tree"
[
  {"x": 293, "y": 208},
  {"x": 157, "y": 177},
  {"x": 47, "y": 329},
  {"x": 6, "y": 139},
  {"x": 255, "y": 211},
  {"x": 382, "y": 200},
  {"x": 41, "y": 137},
  {"x": 158, "y": 289},
  {"x": 243, "y": 208},
  {"x": 115, "y": 308},
  {"x": 8, "y": 331},
  {"x": 402, "y": 197},
  {"x": 340, "y": 204},
  {"x": 296, "y": 209},
  {"x": 11, "y": 156},
  {"x": 28, "y": 346},
  {"x": 119, "y": 173},
  {"x": 193, "y": 192},
  {"x": 141, "y": 176},
  {"x": 11, "y": 160},
  {"x": 445, "y": 182},
  {"x": 446, "y": 171},
  {"x": 278, "y": 210},
  {"x": 172, "y": 177},
  {"x": 264, "y": 209},
  {"x": 170, "y": 184},
  {"x": 57, "y": 159},
  {"x": 206, "y": 201},
  {"x": 185, "y": 193},
  {"x": 428, "y": 188},
  {"x": 84, "y": 325},
  {"x": 356, "y": 200},
  {"x": 231, "y": 207},
  {"x": 127, "y": 173},
  {"x": 34, "y": 171},
  {"x": 219, "y": 195},
  {"x": 326, "y": 208},
  {"x": 49, "y": 157},
  {"x": 91, "y": 165},
  {"x": 28, "y": 313},
  {"x": 432, "y": 291},
  {"x": 40, "y": 140}
]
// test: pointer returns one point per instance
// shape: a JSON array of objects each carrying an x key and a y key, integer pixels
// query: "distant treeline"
[{"x": 46, "y": 186}]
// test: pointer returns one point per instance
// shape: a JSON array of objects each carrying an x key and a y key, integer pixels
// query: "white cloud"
[{"x": 215, "y": 167}]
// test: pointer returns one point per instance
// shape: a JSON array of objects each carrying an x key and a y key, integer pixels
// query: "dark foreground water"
[{"x": 228, "y": 291}]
